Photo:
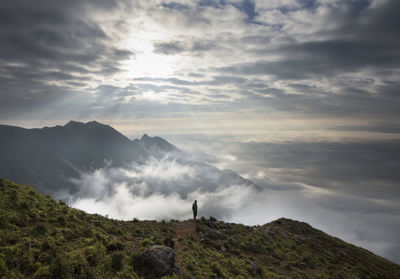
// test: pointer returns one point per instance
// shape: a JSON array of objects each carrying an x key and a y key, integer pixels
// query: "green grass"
[{"x": 44, "y": 238}]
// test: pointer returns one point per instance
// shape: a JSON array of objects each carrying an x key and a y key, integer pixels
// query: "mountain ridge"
[
  {"x": 43, "y": 238},
  {"x": 47, "y": 157},
  {"x": 157, "y": 146},
  {"x": 54, "y": 158}
]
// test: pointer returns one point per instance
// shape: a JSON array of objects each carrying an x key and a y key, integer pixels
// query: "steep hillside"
[
  {"x": 43, "y": 238},
  {"x": 49, "y": 157}
]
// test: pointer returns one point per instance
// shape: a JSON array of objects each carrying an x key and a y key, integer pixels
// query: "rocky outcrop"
[{"x": 160, "y": 259}]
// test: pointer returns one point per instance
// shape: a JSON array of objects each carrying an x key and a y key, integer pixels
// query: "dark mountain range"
[
  {"x": 54, "y": 158},
  {"x": 43, "y": 238},
  {"x": 48, "y": 157}
]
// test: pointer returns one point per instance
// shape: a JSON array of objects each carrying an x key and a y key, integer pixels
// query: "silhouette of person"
[{"x": 194, "y": 208}]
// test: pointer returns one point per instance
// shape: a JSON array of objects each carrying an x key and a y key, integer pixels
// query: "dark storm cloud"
[
  {"x": 365, "y": 40},
  {"x": 358, "y": 98},
  {"x": 51, "y": 33},
  {"x": 45, "y": 42},
  {"x": 47, "y": 46},
  {"x": 379, "y": 24},
  {"x": 311, "y": 59}
]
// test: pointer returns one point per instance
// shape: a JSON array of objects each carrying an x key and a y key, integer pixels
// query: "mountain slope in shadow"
[
  {"x": 156, "y": 146},
  {"x": 48, "y": 157}
]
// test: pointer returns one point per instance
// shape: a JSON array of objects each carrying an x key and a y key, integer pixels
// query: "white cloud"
[
  {"x": 122, "y": 204},
  {"x": 161, "y": 189}
]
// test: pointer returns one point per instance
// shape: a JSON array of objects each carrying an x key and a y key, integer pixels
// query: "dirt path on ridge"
[{"x": 183, "y": 229}]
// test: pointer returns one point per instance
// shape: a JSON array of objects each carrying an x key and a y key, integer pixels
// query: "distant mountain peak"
[
  {"x": 92, "y": 123},
  {"x": 145, "y": 137},
  {"x": 72, "y": 123},
  {"x": 156, "y": 146},
  {"x": 48, "y": 157}
]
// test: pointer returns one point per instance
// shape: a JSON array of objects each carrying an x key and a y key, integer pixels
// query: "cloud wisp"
[{"x": 161, "y": 189}]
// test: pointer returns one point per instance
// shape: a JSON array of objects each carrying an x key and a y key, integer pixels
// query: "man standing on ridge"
[{"x": 194, "y": 208}]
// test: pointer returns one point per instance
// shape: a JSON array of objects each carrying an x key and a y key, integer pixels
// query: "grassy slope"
[{"x": 43, "y": 238}]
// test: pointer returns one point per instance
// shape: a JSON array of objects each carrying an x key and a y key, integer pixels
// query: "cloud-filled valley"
[
  {"x": 304, "y": 181},
  {"x": 162, "y": 189},
  {"x": 349, "y": 189},
  {"x": 334, "y": 186}
]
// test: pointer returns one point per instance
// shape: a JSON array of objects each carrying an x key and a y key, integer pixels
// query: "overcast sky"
[
  {"x": 295, "y": 95},
  {"x": 299, "y": 68}
]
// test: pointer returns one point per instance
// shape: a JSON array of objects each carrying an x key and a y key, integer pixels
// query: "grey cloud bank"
[{"x": 203, "y": 56}]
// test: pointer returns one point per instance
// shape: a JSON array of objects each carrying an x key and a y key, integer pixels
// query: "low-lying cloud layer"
[
  {"x": 162, "y": 189},
  {"x": 348, "y": 189}
]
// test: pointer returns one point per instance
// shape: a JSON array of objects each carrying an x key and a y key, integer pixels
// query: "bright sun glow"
[
  {"x": 145, "y": 62},
  {"x": 151, "y": 65}
]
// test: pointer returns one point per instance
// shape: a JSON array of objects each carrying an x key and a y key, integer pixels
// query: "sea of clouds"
[{"x": 318, "y": 183}]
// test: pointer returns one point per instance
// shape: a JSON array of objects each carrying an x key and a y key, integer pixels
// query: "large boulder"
[{"x": 159, "y": 259}]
